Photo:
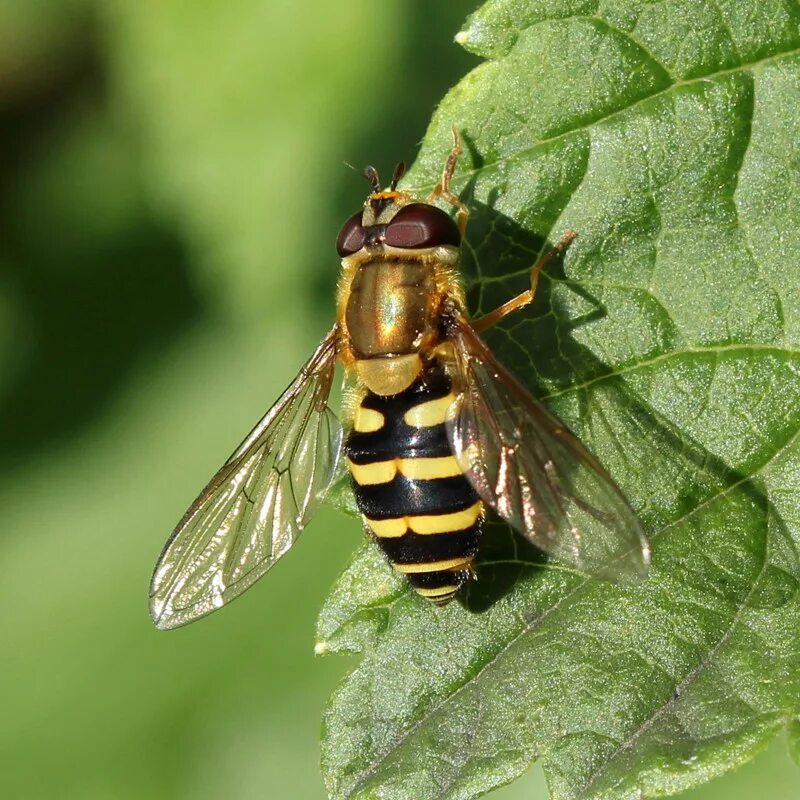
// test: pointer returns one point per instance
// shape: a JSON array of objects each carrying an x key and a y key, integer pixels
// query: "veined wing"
[
  {"x": 535, "y": 473},
  {"x": 253, "y": 509}
]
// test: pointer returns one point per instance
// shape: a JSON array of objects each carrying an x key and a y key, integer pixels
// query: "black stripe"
[
  {"x": 411, "y": 548},
  {"x": 435, "y": 580},
  {"x": 402, "y": 496},
  {"x": 431, "y": 385},
  {"x": 396, "y": 439}
]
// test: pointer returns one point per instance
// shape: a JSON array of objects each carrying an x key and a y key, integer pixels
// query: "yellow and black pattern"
[{"x": 409, "y": 488}]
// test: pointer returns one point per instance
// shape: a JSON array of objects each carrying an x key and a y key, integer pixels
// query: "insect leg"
[
  {"x": 442, "y": 189},
  {"x": 524, "y": 298}
]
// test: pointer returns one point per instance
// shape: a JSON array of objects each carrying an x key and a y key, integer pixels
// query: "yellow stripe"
[
  {"x": 445, "y": 523},
  {"x": 370, "y": 474},
  {"x": 368, "y": 420},
  {"x": 435, "y": 566},
  {"x": 425, "y": 469},
  {"x": 387, "y": 528},
  {"x": 432, "y": 524},
  {"x": 437, "y": 592},
  {"x": 428, "y": 414},
  {"x": 413, "y": 468}
]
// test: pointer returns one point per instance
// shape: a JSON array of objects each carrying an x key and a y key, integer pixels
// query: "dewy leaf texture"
[{"x": 667, "y": 134}]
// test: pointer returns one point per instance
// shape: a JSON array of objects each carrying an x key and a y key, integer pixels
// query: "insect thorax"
[
  {"x": 390, "y": 312},
  {"x": 391, "y": 307}
]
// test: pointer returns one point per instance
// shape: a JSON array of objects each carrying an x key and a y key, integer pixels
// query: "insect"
[{"x": 437, "y": 431}]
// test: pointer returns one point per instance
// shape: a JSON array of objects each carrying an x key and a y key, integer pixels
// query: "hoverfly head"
[{"x": 395, "y": 218}]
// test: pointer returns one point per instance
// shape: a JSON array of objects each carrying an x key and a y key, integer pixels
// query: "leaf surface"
[{"x": 668, "y": 136}]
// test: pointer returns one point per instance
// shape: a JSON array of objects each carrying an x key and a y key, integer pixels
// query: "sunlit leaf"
[{"x": 668, "y": 136}]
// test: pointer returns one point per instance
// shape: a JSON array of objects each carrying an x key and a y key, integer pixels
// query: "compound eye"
[
  {"x": 351, "y": 237},
  {"x": 421, "y": 225}
]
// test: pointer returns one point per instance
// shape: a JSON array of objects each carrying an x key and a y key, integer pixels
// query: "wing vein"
[{"x": 251, "y": 512}]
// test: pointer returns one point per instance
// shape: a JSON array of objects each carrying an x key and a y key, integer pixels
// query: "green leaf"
[{"x": 668, "y": 136}]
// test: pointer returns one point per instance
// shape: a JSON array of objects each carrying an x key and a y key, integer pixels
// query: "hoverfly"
[{"x": 437, "y": 431}]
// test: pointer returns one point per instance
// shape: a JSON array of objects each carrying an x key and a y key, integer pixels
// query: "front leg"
[{"x": 524, "y": 298}]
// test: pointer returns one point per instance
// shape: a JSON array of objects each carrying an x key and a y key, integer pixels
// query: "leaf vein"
[{"x": 662, "y": 357}]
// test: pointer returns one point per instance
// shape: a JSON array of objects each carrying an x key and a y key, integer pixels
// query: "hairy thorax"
[
  {"x": 389, "y": 313},
  {"x": 389, "y": 310}
]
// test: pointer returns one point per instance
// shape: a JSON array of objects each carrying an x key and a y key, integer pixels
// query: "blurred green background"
[{"x": 171, "y": 185}]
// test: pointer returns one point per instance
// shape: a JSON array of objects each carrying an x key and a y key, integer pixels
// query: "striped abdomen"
[{"x": 410, "y": 490}]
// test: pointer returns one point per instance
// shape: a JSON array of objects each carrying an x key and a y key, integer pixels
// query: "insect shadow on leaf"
[{"x": 540, "y": 347}]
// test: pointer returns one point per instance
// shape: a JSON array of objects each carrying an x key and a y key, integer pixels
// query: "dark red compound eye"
[
  {"x": 420, "y": 225},
  {"x": 351, "y": 237}
]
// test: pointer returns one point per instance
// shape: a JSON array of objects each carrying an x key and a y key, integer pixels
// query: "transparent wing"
[
  {"x": 253, "y": 509},
  {"x": 534, "y": 473}
]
